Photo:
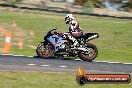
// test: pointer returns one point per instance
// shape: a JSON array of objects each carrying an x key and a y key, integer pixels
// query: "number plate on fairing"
[{"x": 56, "y": 41}]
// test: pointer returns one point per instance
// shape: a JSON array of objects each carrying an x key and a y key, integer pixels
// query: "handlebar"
[
  {"x": 50, "y": 32},
  {"x": 53, "y": 29}
]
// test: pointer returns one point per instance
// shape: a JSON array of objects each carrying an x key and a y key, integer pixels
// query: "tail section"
[{"x": 90, "y": 36}]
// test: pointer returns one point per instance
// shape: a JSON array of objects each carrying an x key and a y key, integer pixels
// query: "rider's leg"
[{"x": 73, "y": 39}]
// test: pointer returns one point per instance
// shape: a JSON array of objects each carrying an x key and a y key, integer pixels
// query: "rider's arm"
[
  {"x": 74, "y": 24},
  {"x": 74, "y": 27}
]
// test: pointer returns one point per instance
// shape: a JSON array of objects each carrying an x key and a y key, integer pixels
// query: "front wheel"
[
  {"x": 89, "y": 56},
  {"x": 45, "y": 50}
]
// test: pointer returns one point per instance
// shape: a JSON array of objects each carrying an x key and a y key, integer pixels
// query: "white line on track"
[
  {"x": 29, "y": 56},
  {"x": 115, "y": 62},
  {"x": 8, "y": 54},
  {"x": 127, "y": 63},
  {"x": 45, "y": 65},
  {"x": 77, "y": 59},
  {"x": 63, "y": 66},
  {"x": 101, "y": 61},
  {"x": 31, "y": 64},
  {"x": 18, "y": 55}
]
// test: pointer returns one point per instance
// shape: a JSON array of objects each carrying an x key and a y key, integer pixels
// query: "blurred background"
[
  {"x": 24, "y": 23},
  {"x": 29, "y": 21},
  {"x": 107, "y": 7}
]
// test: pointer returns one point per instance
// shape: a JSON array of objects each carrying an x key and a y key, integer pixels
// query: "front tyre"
[
  {"x": 89, "y": 56},
  {"x": 45, "y": 50}
]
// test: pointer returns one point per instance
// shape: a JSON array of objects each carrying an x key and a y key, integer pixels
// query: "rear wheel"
[
  {"x": 91, "y": 55},
  {"x": 45, "y": 50}
]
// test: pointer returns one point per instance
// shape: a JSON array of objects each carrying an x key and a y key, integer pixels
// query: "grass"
[
  {"x": 114, "y": 43},
  {"x": 47, "y": 80}
]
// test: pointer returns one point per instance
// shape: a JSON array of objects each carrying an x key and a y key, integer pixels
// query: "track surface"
[{"x": 8, "y": 62}]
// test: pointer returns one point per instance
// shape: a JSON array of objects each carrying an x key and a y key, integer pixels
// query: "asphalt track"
[{"x": 23, "y": 63}]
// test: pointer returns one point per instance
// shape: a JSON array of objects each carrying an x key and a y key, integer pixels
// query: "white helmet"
[{"x": 69, "y": 18}]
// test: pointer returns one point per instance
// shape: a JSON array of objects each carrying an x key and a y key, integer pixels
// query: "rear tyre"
[
  {"x": 45, "y": 50},
  {"x": 89, "y": 56}
]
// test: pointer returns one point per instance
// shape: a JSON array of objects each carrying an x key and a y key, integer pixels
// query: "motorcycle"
[{"x": 55, "y": 44}]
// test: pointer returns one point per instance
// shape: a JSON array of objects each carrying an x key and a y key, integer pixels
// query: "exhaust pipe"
[{"x": 81, "y": 49}]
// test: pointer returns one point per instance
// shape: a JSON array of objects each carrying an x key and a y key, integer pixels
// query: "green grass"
[
  {"x": 47, "y": 80},
  {"x": 114, "y": 43}
]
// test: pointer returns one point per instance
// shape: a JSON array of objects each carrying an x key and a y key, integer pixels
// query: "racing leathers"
[{"x": 74, "y": 31}]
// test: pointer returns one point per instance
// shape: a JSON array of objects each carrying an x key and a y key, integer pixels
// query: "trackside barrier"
[
  {"x": 14, "y": 25},
  {"x": 7, "y": 44},
  {"x": 20, "y": 44}
]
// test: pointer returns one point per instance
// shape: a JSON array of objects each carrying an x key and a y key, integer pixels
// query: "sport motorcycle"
[{"x": 55, "y": 44}]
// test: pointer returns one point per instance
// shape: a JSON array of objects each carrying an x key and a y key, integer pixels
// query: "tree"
[
  {"x": 128, "y": 5},
  {"x": 13, "y": 1},
  {"x": 82, "y": 2},
  {"x": 88, "y": 6}
]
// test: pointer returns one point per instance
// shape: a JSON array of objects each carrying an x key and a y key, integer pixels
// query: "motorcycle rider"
[{"x": 74, "y": 29}]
